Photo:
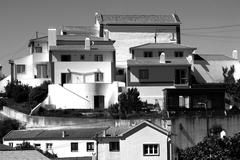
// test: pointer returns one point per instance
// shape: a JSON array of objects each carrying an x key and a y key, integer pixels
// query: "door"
[
  {"x": 65, "y": 78},
  {"x": 98, "y": 102}
]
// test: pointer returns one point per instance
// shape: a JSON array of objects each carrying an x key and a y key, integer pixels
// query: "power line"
[
  {"x": 211, "y": 36},
  {"x": 212, "y": 27}
]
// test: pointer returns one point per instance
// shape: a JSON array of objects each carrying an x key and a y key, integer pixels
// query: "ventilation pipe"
[
  {"x": 235, "y": 54},
  {"x": 87, "y": 43},
  {"x": 52, "y": 37},
  {"x": 162, "y": 58}
]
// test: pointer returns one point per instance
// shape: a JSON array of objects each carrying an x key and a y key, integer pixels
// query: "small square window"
[
  {"x": 74, "y": 147},
  {"x": 38, "y": 49},
  {"x": 143, "y": 74},
  {"x": 151, "y": 149},
  {"x": 20, "y": 68},
  {"x": 10, "y": 144},
  {"x": 98, "y": 77},
  {"x": 98, "y": 57},
  {"x": 148, "y": 54},
  {"x": 178, "y": 54},
  {"x": 114, "y": 147},
  {"x": 90, "y": 146},
  {"x": 82, "y": 57},
  {"x": 49, "y": 146}
]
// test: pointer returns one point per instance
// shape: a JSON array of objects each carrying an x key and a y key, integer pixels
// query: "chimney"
[
  {"x": 162, "y": 58},
  {"x": 52, "y": 37},
  {"x": 235, "y": 54},
  {"x": 106, "y": 35},
  {"x": 87, "y": 43},
  {"x": 63, "y": 134}
]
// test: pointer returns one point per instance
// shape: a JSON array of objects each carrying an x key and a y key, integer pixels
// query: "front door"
[
  {"x": 65, "y": 78},
  {"x": 98, "y": 102}
]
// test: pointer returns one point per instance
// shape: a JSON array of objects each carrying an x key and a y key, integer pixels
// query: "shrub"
[
  {"x": 38, "y": 94},
  {"x": 114, "y": 110},
  {"x": 19, "y": 92},
  {"x": 3, "y": 102}
]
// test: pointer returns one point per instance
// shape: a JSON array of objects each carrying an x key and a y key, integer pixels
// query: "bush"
[
  {"x": 7, "y": 125},
  {"x": 114, "y": 110},
  {"x": 19, "y": 92},
  {"x": 38, "y": 94},
  {"x": 3, "y": 102}
]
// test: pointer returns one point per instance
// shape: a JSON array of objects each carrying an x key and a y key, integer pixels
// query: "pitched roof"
[
  {"x": 212, "y": 57},
  {"x": 5, "y": 148},
  {"x": 138, "y": 19},
  {"x": 81, "y": 133},
  {"x": 155, "y": 62},
  {"x": 125, "y": 131},
  {"x": 22, "y": 155},
  {"x": 208, "y": 67},
  {"x": 141, "y": 126},
  {"x": 162, "y": 46},
  {"x": 82, "y": 48}
]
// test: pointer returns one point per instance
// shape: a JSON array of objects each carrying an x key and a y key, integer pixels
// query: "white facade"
[
  {"x": 62, "y": 148},
  {"x": 134, "y": 144}
]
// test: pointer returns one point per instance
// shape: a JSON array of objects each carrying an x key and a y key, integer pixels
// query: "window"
[
  {"x": 98, "y": 57},
  {"x": 49, "y": 146},
  {"x": 98, "y": 77},
  {"x": 74, "y": 147},
  {"x": 20, "y": 68},
  {"x": 37, "y": 145},
  {"x": 151, "y": 149},
  {"x": 82, "y": 57},
  {"x": 114, "y": 146},
  {"x": 181, "y": 76},
  {"x": 65, "y": 58},
  {"x": 178, "y": 54},
  {"x": 10, "y": 144},
  {"x": 90, "y": 146},
  {"x": 38, "y": 49},
  {"x": 42, "y": 71},
  {"x": 143, "y": 74},
  {"x": 148, "y": 54}
]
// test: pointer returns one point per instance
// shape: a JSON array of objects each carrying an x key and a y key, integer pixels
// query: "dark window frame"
[
  {"x": 152, "y": 150},
  {"x": 98, "y": 76},
  {"x": 38, "y": 49},
  {"x": 143, "y": 74},
  {"x": 82, "y": 57},
  {"x": 74, "y": 146},
  {"x": 178, "y": 54},
  {"x": 147, "y": 54},
  {"x": 90, "y": 146},
  {"x": 66, "y": 57},
  {"x": 114, "y": 146},
  {"x": 20, "y": 68},
  {"x": 98, "y": 57}
]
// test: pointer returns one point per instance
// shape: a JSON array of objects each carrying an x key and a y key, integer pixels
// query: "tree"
[
  {"x": 39, "y": 93},
  {"x": 214, "y": 148},
  {"x": 129, "y": 102},
  {"x": 7, "y": 125}
]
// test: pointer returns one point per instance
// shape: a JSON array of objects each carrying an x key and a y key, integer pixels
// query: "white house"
[{"x": 142, "y": 141}]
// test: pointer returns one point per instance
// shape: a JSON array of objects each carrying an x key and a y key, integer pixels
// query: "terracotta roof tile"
[
  {"x": 162, "y": 46},
  {"x": 22, "y": 155}
]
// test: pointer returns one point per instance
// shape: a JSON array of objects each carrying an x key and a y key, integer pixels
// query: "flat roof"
[{"x": 156, "y": 62}]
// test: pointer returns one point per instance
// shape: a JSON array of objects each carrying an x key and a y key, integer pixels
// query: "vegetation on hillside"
[
  {"x": 213, "y": 148},
  {"x": 7, "y": 125}
]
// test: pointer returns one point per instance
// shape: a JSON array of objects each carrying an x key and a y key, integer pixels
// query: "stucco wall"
[
  {"x": 28, "y": 62},
  {"x": 88, "y": 55},
  {"x": 157, "y": 74},
  {"x": 88, "y": 91},
  {"x": 105, "y": 154},
  {"x": 61, "y": 147},
  {"x": 125, "y": 40},
  {"x": 132, "y": 146},
  {"x": 84, "y": 67},
  {"x": 169, "y": 53}
]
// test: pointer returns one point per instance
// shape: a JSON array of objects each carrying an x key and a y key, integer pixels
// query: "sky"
[{"x": 20, "y": 19}]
